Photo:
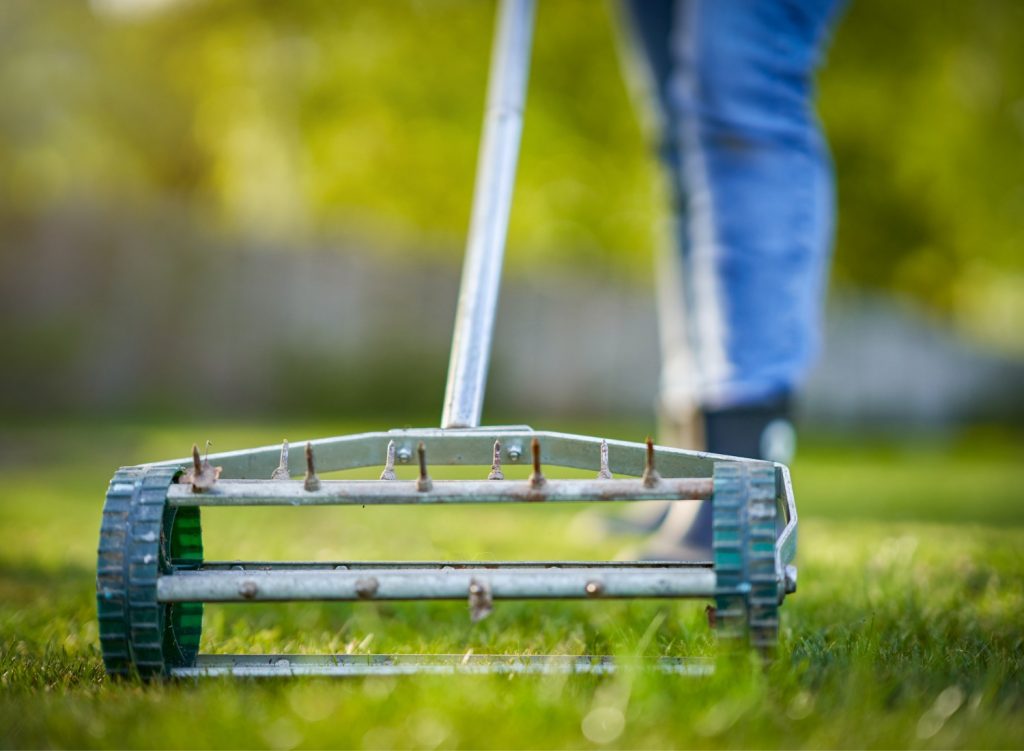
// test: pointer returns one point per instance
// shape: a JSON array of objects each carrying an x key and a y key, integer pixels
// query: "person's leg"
[
  {"x": 757, "y": 207},
  {"x": 646, "y": 54},
  {"x": 649, "y": 62}
]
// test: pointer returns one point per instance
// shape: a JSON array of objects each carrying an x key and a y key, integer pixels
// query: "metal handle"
[{"x": 488, "y": 228}]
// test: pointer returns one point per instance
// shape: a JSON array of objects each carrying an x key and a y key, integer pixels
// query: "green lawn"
[{"x": 908, "y": 629}]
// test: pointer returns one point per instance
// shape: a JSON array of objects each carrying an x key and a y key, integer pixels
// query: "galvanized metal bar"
[
  {"x": 433, "y": 584},
  {"x": 785, "y": 545},
  {"x": 400, "y": 492},
  {"x": 492, "y": 203},
  {"x": 274, "y": 666},
  {"x": 473, "y": 447},
  {"x": 365, "y": 565}
]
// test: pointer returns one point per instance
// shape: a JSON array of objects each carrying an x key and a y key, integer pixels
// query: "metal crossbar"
[
  {"x": 414, "y": 581},
  {"x": 269, "y": 666},
  {"x": 372, "y": 492}
]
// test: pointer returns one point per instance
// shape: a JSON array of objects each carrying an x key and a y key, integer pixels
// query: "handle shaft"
[{"x": 492, "y": 203}]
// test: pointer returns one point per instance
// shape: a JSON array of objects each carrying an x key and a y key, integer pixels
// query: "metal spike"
[
  {"x": 311, "y": 482},
  {"x": 201, "y": 476},
  {"x": 282, "y": 473},
  {"x": 651, "y": 476},
  {"x": 389, "y": 463},
  {"x": 423, "y": 483},
  {"x": 481, "y": 603},
  {"x": 536, "y": 477},
  {"x": 604, "y": 473},
  {"x": 496, "y": 473}
]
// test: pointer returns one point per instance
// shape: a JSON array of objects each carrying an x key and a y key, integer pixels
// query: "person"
[{"x": 741, "y": 290}]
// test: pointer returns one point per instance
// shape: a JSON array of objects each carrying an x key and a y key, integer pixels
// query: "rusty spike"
[
  {"x": 311, "y": 482},
  {"x": 201, "y": 476},
  {"x": 481, "y": 602},
  {"x": 536, "y": 477},
  {"x": 389, "y": 463},
  {"x": 651, "y": 476},
  {"x": 423, "y": 483},
  {"x": 496, "y": 473},
  {"x": 281, "y": 473},
  {"x": 604, "y": 473}
]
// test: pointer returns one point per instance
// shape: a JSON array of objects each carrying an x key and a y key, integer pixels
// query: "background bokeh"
[
  {"x": 200, "y": 201},
  {"x": 242, "y": 220}
]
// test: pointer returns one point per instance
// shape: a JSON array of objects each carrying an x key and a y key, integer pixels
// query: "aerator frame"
[{"x": 152, "y": 579}]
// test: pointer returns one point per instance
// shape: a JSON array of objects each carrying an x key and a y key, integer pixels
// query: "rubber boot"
[{"x": 755, "y": 431}]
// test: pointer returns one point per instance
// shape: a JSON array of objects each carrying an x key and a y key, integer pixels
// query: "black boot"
[{"x": 754, "y": 431}]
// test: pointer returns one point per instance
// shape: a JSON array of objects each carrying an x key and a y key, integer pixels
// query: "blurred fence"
[{"x": 119, "y": 316}]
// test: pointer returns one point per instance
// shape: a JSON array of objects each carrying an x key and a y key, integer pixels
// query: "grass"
[{"x": 906, "y": 631}]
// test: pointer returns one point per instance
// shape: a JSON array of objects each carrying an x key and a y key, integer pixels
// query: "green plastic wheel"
[
  {"x": 743, "y": 545},
  {"x": 140, "y": 539}
]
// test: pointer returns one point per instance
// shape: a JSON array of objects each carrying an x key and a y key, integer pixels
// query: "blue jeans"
[{"x": 732, "y": 82}]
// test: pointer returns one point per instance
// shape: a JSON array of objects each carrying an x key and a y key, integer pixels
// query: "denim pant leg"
[
  {"x": 734, "y": 83},
  {"x": 732, "y": 86}
]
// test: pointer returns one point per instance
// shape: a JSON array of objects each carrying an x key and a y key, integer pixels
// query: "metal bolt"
[
  {"x": 496, "y": 473},
  {"x": 389, "y": 463},
  {"x": 423, "y": 483},
  {"x": 604, "y": 473},
  {"x": 367, "y": 588},
  {"x": 404, "y": 455},
  {"x": 594, "y": 588},
  {"x": 282, "y": 473},
  {"x": 651, "y": 476},
  {"x": 536, "y": 477},
  {"x": 312, "y": 482},
  {"x": 248, "y": 589},
  {"x": 790, "y": 581},
  {"x": 514, "y": 453}
]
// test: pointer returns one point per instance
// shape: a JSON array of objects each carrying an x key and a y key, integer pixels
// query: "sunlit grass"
[{"x": 905, "y": 631}]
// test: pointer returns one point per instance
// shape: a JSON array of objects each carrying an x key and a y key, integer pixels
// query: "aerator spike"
[
  {"x": 496, "y": 473},
  {"x": 282, "y": 473},
  {"x": 604, "y": 473},
  {"x": 481, "y": 602},
  {"x": 423, "y": 483},
  {"x": 201, "y": 476},
  {"x": 651, "y": 476},
  {"x": 536, "y": 477},
  {"x": 312, "y": 482},
  {"x": 389, "y": 463}
]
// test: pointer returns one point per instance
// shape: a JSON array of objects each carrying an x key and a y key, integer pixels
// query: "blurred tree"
[
  {"x": 360, "y": 120},
  {"x": 924, "y": 103}
]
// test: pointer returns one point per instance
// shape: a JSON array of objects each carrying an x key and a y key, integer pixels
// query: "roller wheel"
[
  {"x": 743, "y": 544},
  {"x": 140, "y": 539}
]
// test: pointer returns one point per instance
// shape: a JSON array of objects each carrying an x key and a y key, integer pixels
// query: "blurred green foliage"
[{"x": 359, "y": 122}]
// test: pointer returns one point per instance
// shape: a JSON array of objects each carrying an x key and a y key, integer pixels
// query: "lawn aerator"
[{"x": 152, "y": 579}]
